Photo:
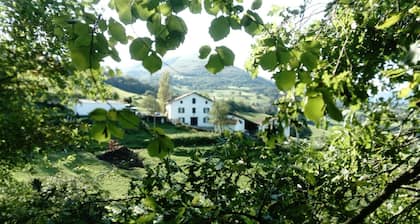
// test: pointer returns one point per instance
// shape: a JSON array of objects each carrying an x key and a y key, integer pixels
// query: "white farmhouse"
[
  {"x": 192, "y": 109},
  {"x": 83, "y": 106}
]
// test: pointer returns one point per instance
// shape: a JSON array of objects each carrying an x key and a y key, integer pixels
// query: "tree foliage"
[
  {"x": 219, "y": 114},
  {"x": 164, "y": 94},
  {"x": 365, "y": 169}
]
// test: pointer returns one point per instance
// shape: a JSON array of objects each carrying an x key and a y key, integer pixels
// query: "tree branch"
[{"x": 405, "y": 178}]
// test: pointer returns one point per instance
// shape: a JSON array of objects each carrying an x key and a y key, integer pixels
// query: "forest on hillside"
[{"x": 358, "y": 161}]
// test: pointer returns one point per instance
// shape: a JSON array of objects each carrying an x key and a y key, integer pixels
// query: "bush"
[{"x": 57, "y": 200}]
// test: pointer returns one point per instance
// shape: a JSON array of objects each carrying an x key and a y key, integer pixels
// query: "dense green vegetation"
[
  {"x": 363, "y": 168},
  {"x": 131, "y": 85}
]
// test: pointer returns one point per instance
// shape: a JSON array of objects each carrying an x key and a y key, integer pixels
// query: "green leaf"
[
  {"x": 80, "y": 57},
  {"x": 285, "y": 80},
  {"x": 309, "y": 60},
  {"x": 175, "y": 23},
  {"x": 112, "y": 115},
  {"x": 152, "y": 63},
  {"x": 219, "y": 28},
  {"x": 204, "y": 51},
  {"x": 211, "y": 7},
  {"x": 253, "y": 29},
  {"x": 160, "y": 146},
  {"x": 215, "y": 64},
  {"x": 165, "y": 9},
  {"x": 115, "y": 131},
  {"x": 235, "y": 23},
  {"x": 127, "y": 119},
  {"x": 256, "y": 4},
  {"x": 117, "y": 31},
  {"x": 143, "y": 11},
  {"x": 124, "y": 10},
  {"x": 140, "y": 47},
  {"x": 314, "y": 108},
  {"x": 283, "y": 55},
  {"x": 83, "y": 34},
  {"x": 389, "y": 22},
  {"x": 195, "y": 6},
  {"x": 178, "y": 5},
  {"x": 100, "y": 132},
  {"x": 404, "y": 92},
  {"x": 154, "y": 25},
  {"x": 332, "y": 109},
  {"x": 226, "y": 55},
  {"x": 305, "y": 77},
  {"x": 99, "y": 114},
  {"x": 268, "y": 61}
]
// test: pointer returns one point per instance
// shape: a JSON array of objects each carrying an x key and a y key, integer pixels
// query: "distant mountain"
[{"x": 189, "y": 74}]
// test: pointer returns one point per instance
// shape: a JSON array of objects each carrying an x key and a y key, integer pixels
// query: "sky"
[{"x": 198, "y": 24}]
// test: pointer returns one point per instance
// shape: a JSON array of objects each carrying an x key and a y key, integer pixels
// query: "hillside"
[{"x": 188, "y": 73}]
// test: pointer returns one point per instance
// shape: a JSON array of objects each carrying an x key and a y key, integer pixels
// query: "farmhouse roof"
[
  {"x": 253, "y": 119},
  {"x": 188, "y": 94}
]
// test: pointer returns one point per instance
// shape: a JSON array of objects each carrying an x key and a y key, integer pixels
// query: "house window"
[
  {"x": 193, "y": 110},
  {"x": 193, "y": 100},
  {"x": 182, "y": 120},
  {"x": 206, "y": 101},
  {"x": 180, "y": 102},
  {"x": 181, "y": 110},
  {"x": 205, "y": 120},
  {"x": 206, "y": 110}
]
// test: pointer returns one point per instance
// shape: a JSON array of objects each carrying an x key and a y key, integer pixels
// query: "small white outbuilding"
[{"x": 84, "y": 106}]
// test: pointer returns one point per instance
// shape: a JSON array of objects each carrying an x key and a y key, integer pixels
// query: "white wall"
[
  {"x": 84, "y": 107},
  {"x": 186, "y": 103},
  {"x": 238, "y": 126}
]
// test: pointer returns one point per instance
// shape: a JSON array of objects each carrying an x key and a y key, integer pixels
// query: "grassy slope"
[{"x": 109, "y": 177}]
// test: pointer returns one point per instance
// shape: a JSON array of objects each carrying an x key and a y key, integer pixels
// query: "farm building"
[
  {"x": 83, "y": 106},
  {"x": 193, "y": 109}
]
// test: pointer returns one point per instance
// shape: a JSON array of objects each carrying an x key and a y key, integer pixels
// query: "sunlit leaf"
[
  {"x": 112, "y": 115},
  {"x": 143, "y": 11},
  {"x": 124, "y": 10},
  {"x": 115, "y": 131},
  {"x": 314, "y": 108},
  {"x": 100, "y": 132},
  {"x": 404, "y": 92},
  {"x": 392, "y": 20},
  {"x": 285, "y": 80},
  {"x": 211, "y": 7},
  {"x": 219, "y": 28}
]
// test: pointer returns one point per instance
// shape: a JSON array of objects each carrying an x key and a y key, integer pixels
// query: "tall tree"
[
  {"x": 150, "y": 104},
  {"x": 164, "y": 93},
  {"x": 219, "y": 114}
]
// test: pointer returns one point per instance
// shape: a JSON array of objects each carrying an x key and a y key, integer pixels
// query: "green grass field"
[{"x": 107, "y": 176}]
